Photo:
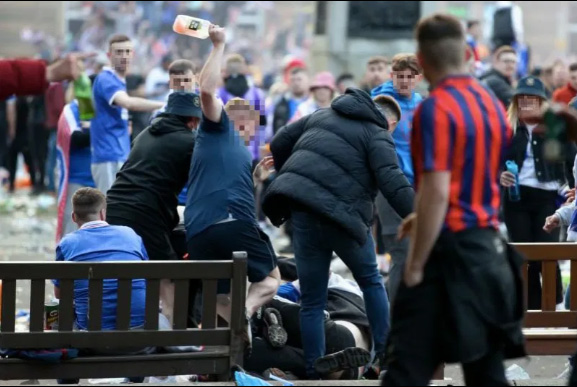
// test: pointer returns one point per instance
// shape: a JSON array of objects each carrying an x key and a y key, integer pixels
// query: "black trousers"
[
  {"x": 39, "y": 150},
  {"x": 20, "y": 144},
  {"x": 438, "y": 321},
  {"x": 525, "y": 220}
]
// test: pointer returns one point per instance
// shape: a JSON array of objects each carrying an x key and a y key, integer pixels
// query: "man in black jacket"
[
  {"x": 331, "y": 165},
  {"x": 145, "y": 194},
  {"x": 500, "y": 78}
]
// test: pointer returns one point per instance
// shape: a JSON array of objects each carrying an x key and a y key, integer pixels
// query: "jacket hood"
[
  {"x": 357, "y": 104},
  {"x": 167, "y": 123}
]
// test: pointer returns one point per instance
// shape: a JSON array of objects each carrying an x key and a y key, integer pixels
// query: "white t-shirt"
[{"x": 158, "y": 79}]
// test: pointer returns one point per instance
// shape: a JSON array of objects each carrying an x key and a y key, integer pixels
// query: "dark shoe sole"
[{"x": 341, "y": 361}]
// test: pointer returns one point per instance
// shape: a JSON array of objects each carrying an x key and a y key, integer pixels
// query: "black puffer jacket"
[
  {"x": 500, "y": 85},
  {"x": 333, "y": 162}
]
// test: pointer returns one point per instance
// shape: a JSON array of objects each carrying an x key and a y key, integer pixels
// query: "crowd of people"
[{"x": 197, "y": 165}]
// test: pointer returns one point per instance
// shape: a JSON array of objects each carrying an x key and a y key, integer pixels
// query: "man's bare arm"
[
  {"x": 136, "y": 104},
  {"x": 210, "y": 75}
]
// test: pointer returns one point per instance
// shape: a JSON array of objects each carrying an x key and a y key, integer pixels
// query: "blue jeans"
[{"x": 315, "y": 240}]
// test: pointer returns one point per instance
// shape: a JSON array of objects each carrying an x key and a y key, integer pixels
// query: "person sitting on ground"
[{"x": 220, "y": 210}]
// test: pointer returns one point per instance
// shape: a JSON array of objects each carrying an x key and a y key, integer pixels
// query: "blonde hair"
[
  {"x": 513, "y": 111},
  {"x": 238, "y": 104}
]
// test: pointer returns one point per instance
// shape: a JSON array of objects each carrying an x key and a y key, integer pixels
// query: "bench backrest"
[
  {"x": 549, "y": 254},
  {"x": 181, "y": 272}
]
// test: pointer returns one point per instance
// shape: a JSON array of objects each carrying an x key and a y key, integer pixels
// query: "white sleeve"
[
  {"x": 151, "y": 82},
  {"x": 565, "y": 213},
  {"x": 517, "y": 16}
]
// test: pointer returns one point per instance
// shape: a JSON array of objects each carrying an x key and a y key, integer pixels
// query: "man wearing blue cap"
[{"x": 145, "y": 194}]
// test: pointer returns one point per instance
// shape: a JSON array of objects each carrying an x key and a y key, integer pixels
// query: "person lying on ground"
[{"x": 278, "y": 341}]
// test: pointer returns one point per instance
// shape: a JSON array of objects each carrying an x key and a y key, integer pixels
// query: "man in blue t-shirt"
[
  {"x": 96, "y": 241},
  {"x": 110, "y": 136},
  {"x": 220, "y": 210}
]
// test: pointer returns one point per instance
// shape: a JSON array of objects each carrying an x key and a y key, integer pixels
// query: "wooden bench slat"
[
  {"x": 547, "y": 251},
  {"x": 534, "y": 319},
  {"x": 525, "y": 274},
  {"x": 152, "y": 304},
  {"x": 123, "y": 306},
  {"x": 181, "y": 304},
  {"x": 559, "y": 334},
  {"x": 8, "y": 306},
  {"x": 573, "y": 283},
  {"x": 37, "y": 301},
  {"x": 116, "y": 270},
  {"x": 549, "y": 287},
  {"x": 66, "y": 308},
  {"x": 209, "y": 299},
  {"x": 129, "y": 366},
  {"x": 96, "y": 292},
  {"x": 238, "y": 316},
  {"x": 115, "y": 339}
]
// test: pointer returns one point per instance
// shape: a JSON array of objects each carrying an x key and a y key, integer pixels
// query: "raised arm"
[{"x": 210, "y": 75}]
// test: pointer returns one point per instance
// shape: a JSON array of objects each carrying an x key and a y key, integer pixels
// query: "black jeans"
[{"x": 525, "y": 220}]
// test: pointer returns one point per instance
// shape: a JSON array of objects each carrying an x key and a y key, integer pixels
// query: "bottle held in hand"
[
  {"x": 83, "y": 94},
  {"x": 191, "y": 26},
  {"x": 514, "y": 191}
]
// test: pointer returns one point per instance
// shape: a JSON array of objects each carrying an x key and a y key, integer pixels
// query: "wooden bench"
[
  {"x": 541, "y": 338},
  {"x": 224, "y": 347}
]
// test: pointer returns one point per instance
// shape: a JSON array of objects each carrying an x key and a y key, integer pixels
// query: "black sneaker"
[
  {"x": 275, "y": 334},
  {"x": 341, "y": 361}
]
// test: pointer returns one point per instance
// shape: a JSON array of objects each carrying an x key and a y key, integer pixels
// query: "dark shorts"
[{"x": 219, "y": 241}]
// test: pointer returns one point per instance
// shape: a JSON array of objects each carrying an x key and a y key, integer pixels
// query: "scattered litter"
[{"x": 517, "y": 373}]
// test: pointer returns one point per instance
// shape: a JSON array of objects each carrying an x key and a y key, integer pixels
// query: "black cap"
[
  {"x": 184, "y": 104},
  {"x": 531, "y": 86}
]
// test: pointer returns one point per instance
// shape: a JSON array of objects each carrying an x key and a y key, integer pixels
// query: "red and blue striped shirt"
[{"x": 462, "y": 128}]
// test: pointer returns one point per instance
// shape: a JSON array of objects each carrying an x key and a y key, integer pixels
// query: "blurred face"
[
  {"x": 405, "y": 82},
  {"x": 507, "y": 64},
  {"x": 573, "y": 79},
  {"x": 120, "y": 56},
  {"x": 299, "y": 84},
  {"x": 377, "y": 74},
  {"x": 323, "y": 95},
  {"x": 183, "y": 82},
  {"x": 528, "y": 106},
  {"x": 245, "y": 121},
  {"x": 344, "y": 85},
  {"x": 560, "y": 76},
  {"x": 475, "y": 31}
]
